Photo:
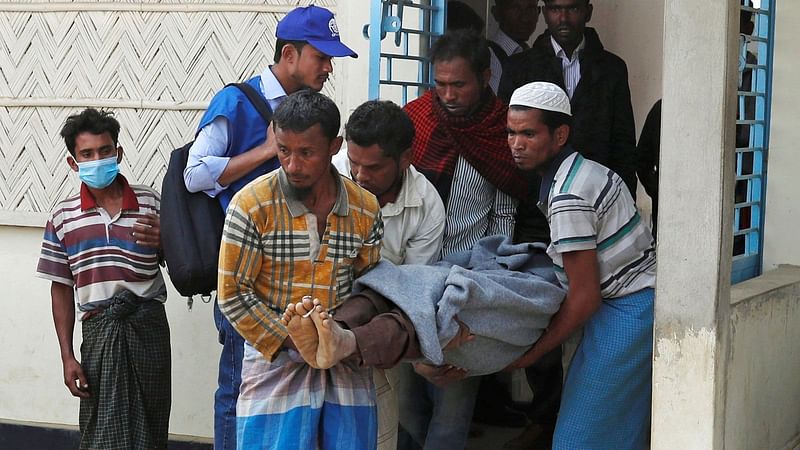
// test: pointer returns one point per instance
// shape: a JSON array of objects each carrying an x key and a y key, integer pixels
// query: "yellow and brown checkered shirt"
[{"x": 265, "y": 259}]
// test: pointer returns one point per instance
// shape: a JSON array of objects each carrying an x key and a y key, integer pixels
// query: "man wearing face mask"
[
  {"x": 101, "y": 251},
  {"x": 233, "y": 147}
]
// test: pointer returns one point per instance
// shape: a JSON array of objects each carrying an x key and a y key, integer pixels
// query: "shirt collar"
[
  {"x": 505, "y": 42},
  {"x": 408, "y": 197},
  {"x": 270, "y": 86},
  {"x": 550, "y": 173},
  {"x": 129, "y": 201},
  {"x": 296, "y": 206},
  {"x": 562, "y": 54}
]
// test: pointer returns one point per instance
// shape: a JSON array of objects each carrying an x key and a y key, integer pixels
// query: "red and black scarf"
[{"x": 480, "y": 138}]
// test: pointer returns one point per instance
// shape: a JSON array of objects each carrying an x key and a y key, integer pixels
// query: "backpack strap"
[{"x": 256, "y": 99}]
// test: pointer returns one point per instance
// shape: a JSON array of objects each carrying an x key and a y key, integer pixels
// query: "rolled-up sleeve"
[{"x": 206, "y": 158}]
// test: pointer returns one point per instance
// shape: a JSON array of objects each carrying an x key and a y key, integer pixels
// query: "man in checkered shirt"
[{"x": 301, "y": 230}]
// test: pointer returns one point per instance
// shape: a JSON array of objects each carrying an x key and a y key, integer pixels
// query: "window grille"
[
  {"x": 399, "y": 69},
  {"x": 752, "y": 137}
]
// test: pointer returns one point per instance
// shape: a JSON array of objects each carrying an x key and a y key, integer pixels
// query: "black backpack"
[{"x": 191, "y": 223}]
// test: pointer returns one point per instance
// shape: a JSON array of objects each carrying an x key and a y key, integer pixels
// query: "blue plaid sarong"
[
  {"x": 287, "y": 405},
  {"x": 607, "y": 394}
]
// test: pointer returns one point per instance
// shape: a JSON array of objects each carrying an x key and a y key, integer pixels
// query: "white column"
[{"x": 695, "y": 217}]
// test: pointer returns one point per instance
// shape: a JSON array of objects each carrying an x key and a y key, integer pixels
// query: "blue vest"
[{"x": 246, "y": 129}]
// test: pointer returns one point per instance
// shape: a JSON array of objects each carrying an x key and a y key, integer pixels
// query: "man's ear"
[
  {"x": 487, "y": 76},
  {"x": 72, "y": 163},
  {"x": 288, "y": 53},
  {"x": 405, "y": 159},
  {"x": 119, "y": 155},
  {"x": 562, "y": 135},
  {"x": 589, "y": 9},
  {"x": 336, "y": 145}
]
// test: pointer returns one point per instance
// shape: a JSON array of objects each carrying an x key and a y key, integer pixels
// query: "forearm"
[
  {"x": 241, "y": 165},
  {"x": 63, "y": 318},
  {"x": 563, "y": 325},
  {"x": 582, "y": 301},
  {"x": 254, "y": 320}
]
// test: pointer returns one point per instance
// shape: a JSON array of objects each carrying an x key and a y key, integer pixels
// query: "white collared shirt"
[
  {"x": 509, "y": 46},
  {"x": 207, "y": 158},
  {"x": 413, "y": 225},
  {"x": 571, "y": 66}
]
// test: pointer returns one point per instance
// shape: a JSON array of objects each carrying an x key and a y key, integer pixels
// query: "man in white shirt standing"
[
  {"x": 379, "y": 136},
  {"x": 516, "y": 22}
]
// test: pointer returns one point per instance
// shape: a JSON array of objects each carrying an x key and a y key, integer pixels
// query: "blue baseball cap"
[{"x": 316, "y": 26}]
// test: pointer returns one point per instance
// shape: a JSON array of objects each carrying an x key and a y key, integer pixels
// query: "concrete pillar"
[{"x": 695, "y": 217}]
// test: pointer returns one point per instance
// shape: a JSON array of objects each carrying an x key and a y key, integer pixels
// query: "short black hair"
[
  {"x": 461, "y": 17},
  {"x": 280, "y": 43},
  {"x": 551, "y": 119},
  {"x": 306, "y": 108},
  {"x": 465, "y": 44},
  {"x": 383, "y": 123},
  {"x": 91, "y": 121}
]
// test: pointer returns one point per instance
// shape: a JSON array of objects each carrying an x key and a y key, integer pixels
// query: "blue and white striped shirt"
[{"x": 589, "y": 207}]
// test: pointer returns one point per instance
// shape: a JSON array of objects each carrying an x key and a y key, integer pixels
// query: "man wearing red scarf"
[{"x": 461, "y": 147}]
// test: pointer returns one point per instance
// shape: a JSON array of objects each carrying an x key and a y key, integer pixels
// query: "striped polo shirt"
[
  {"x": 588, "y": 207},
  {"x": 271, "y": 254},
  {"x": 97, "y": 254}
]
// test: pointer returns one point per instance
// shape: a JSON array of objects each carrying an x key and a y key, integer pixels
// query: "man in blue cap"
[{"x": 234, "y": 146}]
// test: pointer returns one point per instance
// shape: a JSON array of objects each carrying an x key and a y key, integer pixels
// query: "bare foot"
[
  {"x": 335, "y": 343},
  {"x": 302, "y": 330}
]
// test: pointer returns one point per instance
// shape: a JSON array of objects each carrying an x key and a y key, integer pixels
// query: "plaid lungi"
[
  {"x": 607, "y": 394},
  {"x": 286, "y": 404},
  {"x": 125, "y": 356}
]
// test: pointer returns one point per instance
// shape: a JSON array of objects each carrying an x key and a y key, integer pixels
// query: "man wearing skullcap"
[{"x": 604, "y": 256}]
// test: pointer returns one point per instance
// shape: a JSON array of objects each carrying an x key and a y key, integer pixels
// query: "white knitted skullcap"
[{"x": 541, "y": 95}]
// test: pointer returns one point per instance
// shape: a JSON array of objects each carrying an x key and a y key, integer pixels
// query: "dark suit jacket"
[{"x": 603, "y": 128}]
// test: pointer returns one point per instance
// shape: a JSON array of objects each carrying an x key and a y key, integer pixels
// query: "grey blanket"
[{"x": 505, "y": 293}]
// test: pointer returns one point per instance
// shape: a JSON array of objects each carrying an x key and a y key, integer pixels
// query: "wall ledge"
[
  {"x": 756, "y": 288},
  {"x": 23, "y": 219}
]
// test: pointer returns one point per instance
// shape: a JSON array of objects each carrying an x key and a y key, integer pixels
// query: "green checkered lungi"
[{"x": 125, "y": 356}]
